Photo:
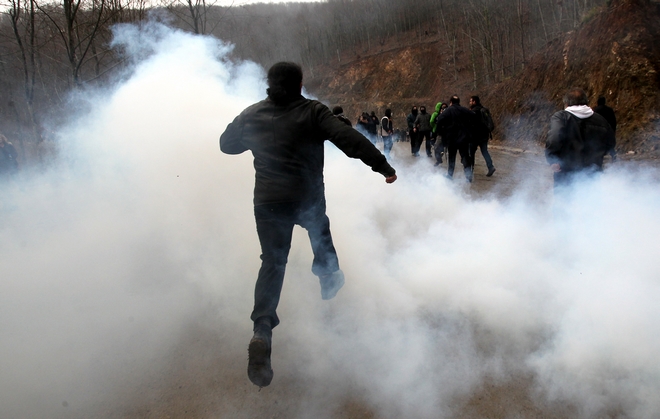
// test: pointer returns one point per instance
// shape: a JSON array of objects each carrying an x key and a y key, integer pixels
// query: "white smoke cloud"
[{"x": 141, "y": 247}]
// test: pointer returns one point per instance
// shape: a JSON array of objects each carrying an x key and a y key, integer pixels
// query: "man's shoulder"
[
  {"x": 257, "y": 106},
  {"x": 561, "y": 114},
  {"x": 462, "y": 110}
]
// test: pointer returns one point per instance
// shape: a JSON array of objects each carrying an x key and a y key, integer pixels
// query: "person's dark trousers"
[
  {"x": 439, "y": 149},
  {"x": 483, "y": 145},
  {"x": 464, "y": 151},
  {"x": 414, "y": 146},
  {"x": 275, "y": 228},
  {"x": 425, "y": 135}
]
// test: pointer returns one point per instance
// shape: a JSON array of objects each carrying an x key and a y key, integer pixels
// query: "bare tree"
[
  {"x": 24, "y": 33},
  {"x": 77, "y": 24}
]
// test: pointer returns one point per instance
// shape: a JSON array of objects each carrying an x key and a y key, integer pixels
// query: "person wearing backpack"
[
  {"x": 578, "y": 139},
  {"x": 482, "y": 133}
]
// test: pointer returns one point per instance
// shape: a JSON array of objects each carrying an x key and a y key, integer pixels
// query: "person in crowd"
[
  {"x": 455, "y": 126},
  {"x": 363, "y": 124},
  {"x": 608, "y": 113},
  {"x": 376, "y": 124},
  {"x": 482, "y": 133},
  {"x": 438, "y": 148},
  {"x": 338, "y": 112},
  {"x": 387, "y": 132},
  {"x": 412, "y": 131},
  {"x": 423, "y": 124},
  {"x": 286, "y": 133},
  {"x": 372, "y": 128},
  {"x": 578, "y": 139},
  {"x": 8, "y": 157}
]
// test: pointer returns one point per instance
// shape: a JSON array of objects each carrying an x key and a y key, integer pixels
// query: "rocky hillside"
[{"x": 614, "y": 53}]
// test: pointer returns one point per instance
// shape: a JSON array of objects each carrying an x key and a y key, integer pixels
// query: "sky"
[{"x": 143, "y": 227}]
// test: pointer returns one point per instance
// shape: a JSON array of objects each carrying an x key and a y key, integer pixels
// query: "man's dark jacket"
[
  {"x": 410, "y": 120},
  {"x": 480, "y": 129},
  {"x": 578, "y": 144},
  {"x": 456, "y": 125},
  {"x": 286, "y": 141}
]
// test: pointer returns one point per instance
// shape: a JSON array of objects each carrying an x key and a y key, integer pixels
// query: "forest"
[{"x": 49, "y": 50}]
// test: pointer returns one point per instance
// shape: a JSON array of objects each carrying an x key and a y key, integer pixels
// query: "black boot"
[{"x": 259, "y": 369}]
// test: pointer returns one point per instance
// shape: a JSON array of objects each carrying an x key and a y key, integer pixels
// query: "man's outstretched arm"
[{"x": 353, "y": 144}]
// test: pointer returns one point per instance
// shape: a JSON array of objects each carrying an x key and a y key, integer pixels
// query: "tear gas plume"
[{"x": 139, "y": 250}]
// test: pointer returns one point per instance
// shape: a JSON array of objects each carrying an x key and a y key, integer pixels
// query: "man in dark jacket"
[
  {"x": 608, "y": 113},
  {"x": 286, "y": 134},
  {"x": 482, "y": 134},
  {"x": 455, "y": 125},
  {"x": 423, "y": 125},
  {"x": 338, "y": 112},
  {"x": 578, "y": 139},
  {"x": 412, "y": 131}
]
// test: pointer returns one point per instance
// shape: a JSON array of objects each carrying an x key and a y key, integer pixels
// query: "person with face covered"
[
  {"x": 423, "y": 124},
  {"x": 412, "y": 131},
  {"x": 286, "y": 133}
]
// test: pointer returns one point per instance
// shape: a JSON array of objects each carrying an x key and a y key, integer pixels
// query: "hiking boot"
[
  {"x": 259, "y": 369},
  {"x": 490, "y": 172},
  {"x": 331, "y": 284}
]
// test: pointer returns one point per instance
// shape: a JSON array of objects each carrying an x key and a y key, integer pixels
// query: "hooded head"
[
  {"x": 438, "y": 106},
  {"x": 388, "y": 113},
  {"x": 414, "y": 110},
  {"x": 284, "y": 82}
]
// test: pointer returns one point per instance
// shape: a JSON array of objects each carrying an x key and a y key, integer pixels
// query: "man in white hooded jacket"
[{"x": 578, "y": 139}]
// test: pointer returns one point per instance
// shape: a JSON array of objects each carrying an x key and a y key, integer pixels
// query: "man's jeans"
[
  {"x": 275, "y": 228},
  {"x": 483, "y": 145},
  {"x": 466, "y": 159}
]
